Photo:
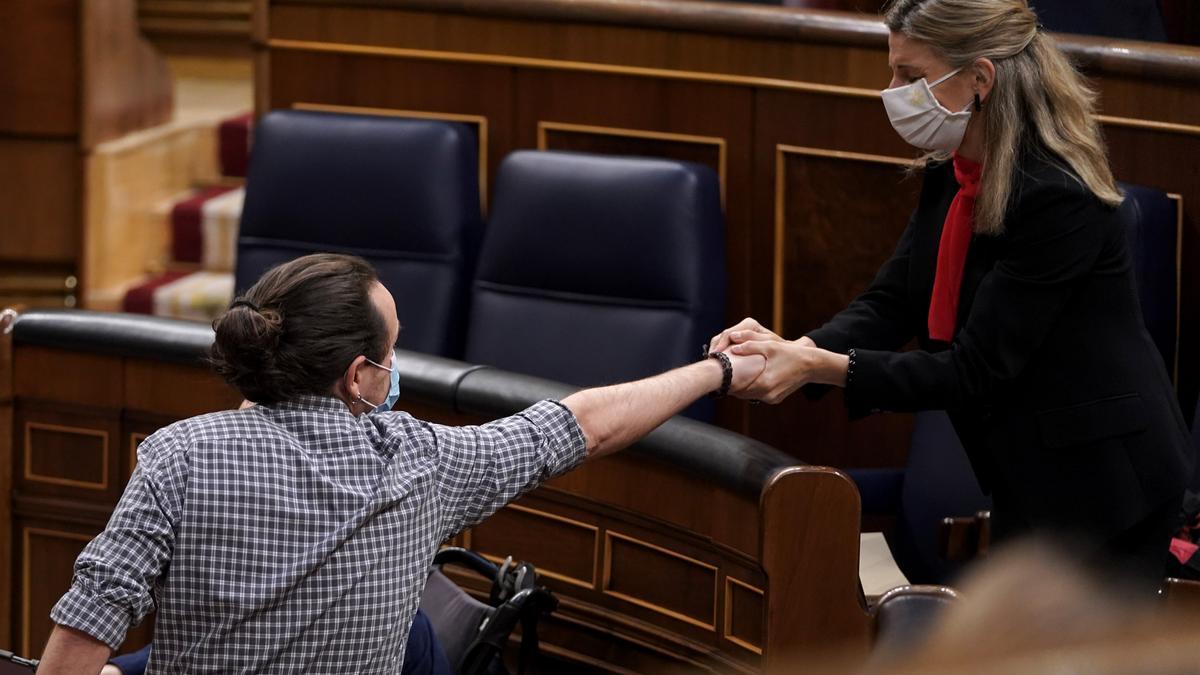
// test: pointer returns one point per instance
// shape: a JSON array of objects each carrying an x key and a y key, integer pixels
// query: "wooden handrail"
[{"x": 1098, "y": 55}]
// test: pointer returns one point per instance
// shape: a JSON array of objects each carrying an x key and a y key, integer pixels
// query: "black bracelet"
[
  {"x": 850, "y": 367},
  {"x": 726, "y": 373}
]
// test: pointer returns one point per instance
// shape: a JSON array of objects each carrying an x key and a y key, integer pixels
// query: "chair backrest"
[
  {"x": 1153, "y": 235},
  {"x": 402, "y": 193},
  {"x": 938, "y": 483},
  {"x": 455, "y": 615},
  {"x": 598, "y": 269}
]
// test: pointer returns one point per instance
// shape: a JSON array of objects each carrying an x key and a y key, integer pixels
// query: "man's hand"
[
  {"x": 746, "y": 329},
  {"x": 789, "y": 366},
  {"x": 746, "y": 370}
]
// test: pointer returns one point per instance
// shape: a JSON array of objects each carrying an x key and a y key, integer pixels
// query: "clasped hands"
[{"x": 789, "y": 364}]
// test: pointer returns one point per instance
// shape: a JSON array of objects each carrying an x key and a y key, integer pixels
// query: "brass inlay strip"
[
  {"x": 1178, "y": 199},
  {"x": 587, "y": 129},
  {"x": 479, "y": 121},
  {"x": 781, "y": 204},
  {"x": 38, "y": 478},
  {"x": 27, "y": 576},
  {"x": 575, "y": 581},
  {"x": 135, "y": 438},
  {"x": 729, "y": 582},
  {"x": 609, "y": 535},
  {"x": 1149, "y": 125},
  {"x": 558, "y": 64}
]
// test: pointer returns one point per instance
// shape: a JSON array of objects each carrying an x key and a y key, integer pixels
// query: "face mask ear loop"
[{"x": 945, "y": 77}]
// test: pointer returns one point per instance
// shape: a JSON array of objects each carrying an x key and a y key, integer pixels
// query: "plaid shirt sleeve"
[
  {"x": 116, "y": 573},
  {"x": 480, "y": 469}
]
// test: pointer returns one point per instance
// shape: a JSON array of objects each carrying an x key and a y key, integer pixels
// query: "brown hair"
[
  {"x": 298, "y": 328},
  {"x": 1038, "y": 99}
]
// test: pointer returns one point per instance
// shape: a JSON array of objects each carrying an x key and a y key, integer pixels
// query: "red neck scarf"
[{"x": 952, "y": 251}]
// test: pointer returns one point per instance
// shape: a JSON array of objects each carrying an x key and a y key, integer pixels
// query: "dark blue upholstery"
[
  {"x": 938, "y": 482},
  {"x": 1153, "y": 241},
  {"x": 598, "y": 269},
  {"x": 402, "y": 193}
]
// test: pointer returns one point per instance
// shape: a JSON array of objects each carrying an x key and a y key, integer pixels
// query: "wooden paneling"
[
  {"x": 41, "y": 97},
  {"x": 210, "y": 27},
  {"x": 744, "y": 615},
  {"x": 45, "y": 374},
  {"x": 40, "y": 196},
  {"x": 174, "y": 391},
  {"x": 58, "y": 454},
  {"x": 126, "y": 85},
  {"x": 522, "y": 532},
  {"x": 661, "y": 580},
  {"x": 75, "y": 454},
  {"x": 76, "y": 73}
]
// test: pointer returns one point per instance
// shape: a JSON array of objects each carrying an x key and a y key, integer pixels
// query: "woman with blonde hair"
[{"x": 1015, "y": 278}]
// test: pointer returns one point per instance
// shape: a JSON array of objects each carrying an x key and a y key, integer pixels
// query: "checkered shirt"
[{"x": 295, "y": 538}]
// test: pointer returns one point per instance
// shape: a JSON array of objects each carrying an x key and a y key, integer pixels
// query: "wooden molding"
[
  {"x": 606, "y": 579},
  {"x": 81, "y": 431},
  {"x": 546, "y": 127}
]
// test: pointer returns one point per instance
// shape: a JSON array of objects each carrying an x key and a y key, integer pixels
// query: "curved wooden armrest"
[{"x": 965, "y": 538}]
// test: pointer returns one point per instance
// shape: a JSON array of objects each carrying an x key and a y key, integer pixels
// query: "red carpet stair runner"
[{"x": 198, "y": 283}]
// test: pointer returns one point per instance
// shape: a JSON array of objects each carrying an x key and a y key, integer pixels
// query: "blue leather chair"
[
  {"x": 938, "y": 482},
  {"x": 598, "y": 269},
  {"x": 401, "y": 193}
]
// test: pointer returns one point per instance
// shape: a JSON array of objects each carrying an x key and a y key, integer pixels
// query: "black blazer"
[{"x": 1054, "y": 386}]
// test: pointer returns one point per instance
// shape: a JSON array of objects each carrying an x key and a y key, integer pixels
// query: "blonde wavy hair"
[{"x": 1038, "y": 96}]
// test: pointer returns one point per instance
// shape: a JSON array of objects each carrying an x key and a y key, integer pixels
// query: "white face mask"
[{"x": 921, "y": 120}]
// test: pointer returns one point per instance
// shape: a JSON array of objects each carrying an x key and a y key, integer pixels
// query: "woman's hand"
[
  {"x": 746, "y": 329},
  {"x": 790, "y": 365}
]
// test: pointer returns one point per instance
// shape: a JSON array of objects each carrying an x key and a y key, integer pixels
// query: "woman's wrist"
[{"x": 833, "y": 368}]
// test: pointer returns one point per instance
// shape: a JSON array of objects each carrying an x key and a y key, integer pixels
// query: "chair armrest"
[{"x": 963, "y": 538}]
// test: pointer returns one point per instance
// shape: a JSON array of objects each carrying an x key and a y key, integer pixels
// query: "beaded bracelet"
[
  {"x": 850, "y": 366},
  {"x": 726, "y": 373}
]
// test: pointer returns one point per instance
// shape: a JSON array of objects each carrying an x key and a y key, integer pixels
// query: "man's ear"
[{"x": 349, "y": 381}]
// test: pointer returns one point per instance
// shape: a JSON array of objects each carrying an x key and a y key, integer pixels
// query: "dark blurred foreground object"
[{"x": 1029, "y": 610}]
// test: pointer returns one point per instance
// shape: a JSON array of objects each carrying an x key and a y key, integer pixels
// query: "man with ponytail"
[
  {"x": 294, "y": 535},
  {"x": 1015, "y": 279}
]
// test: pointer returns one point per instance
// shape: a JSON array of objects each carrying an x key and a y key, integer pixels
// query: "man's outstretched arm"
[
  {"x": 482, "y": 468},
  {"x": 613, "y": 417}
]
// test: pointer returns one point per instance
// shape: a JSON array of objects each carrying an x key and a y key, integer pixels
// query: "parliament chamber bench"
[{"x": 698, "y": 549}]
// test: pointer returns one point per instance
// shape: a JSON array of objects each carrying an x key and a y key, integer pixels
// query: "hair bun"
[{"x": 246, "y": 345}]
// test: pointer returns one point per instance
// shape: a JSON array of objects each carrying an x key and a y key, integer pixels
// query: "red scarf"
[{"x": 952, "y": 251}]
